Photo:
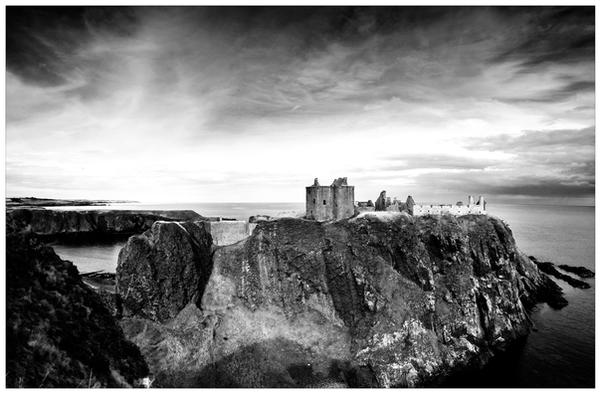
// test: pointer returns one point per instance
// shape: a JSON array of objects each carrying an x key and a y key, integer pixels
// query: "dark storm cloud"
[
  {"x": 42, "y": 42},
  {"x": 551, "y": 35},
  {"x": 266, "y": 61},
  {"x": 501, "y": 185},
  {"x": 545, "y": 188}
]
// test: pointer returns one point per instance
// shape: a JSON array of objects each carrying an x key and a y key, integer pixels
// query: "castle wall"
[{"x": 228, "y": 232}]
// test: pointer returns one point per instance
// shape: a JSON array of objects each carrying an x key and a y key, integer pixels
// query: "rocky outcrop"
[
  {"x": 582, "y": 272},
  {"x": 58, "y": 333},
  {"x": 93, "y": 225},
  {"x": 162, "y": 270},
  {"x": 370, "y": 301},
  {"x": 548, "y": 268}
]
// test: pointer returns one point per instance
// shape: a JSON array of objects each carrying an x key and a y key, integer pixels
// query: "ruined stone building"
[
  {"x": 333, "y": 202},
  {"x": 384, "y": 203},
  {"x": 471, "y": 208}
]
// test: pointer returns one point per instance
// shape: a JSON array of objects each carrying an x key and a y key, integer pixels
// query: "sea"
[{"x": 559, "y": 352}]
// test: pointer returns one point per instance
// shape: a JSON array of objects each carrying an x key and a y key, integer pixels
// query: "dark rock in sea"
[
  {"x": 582, "y": 272},
  {"x": 548, "y": 268},
  {"x": 403, "y": 301},
  {"x": 162, "y": 270},
  {"x": 95, "y": 225},
  {"x": 58, "y": 332}
]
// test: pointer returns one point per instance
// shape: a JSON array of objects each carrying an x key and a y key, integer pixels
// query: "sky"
[{"x": 234, "y": 104}]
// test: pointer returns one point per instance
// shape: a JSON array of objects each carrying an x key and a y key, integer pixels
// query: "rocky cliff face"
[
  {"x": 162, "y": 270},
  {"x": 58, "y": 332},
  {"x": 388, "y": 301},
  {"x": 93, "y": 224}
]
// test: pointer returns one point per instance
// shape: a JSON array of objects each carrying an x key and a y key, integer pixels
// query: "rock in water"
[
  {"x": 58, "y": 333},
  {"x": 359, "y": 303},
  {"x": 548, "y": 268},
  {"x": 582, "y": 272},
  {"x": 162, "y": 270}
]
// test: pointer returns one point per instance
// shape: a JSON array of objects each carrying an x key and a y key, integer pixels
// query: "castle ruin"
[
  {"x": 333, "y": 202},
  {"x": 384, "y": 203},
  {"x": 336, "y": 202}
]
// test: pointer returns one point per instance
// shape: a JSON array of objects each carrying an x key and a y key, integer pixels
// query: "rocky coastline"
[
  {"x": 550, "y": 269},
  {"x": 364, "y": 302},
  {"x": 88, "y": 225}
]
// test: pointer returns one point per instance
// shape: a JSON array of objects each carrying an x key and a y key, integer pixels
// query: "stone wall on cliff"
[
  {"x": 398, "y": 301},
  {"x": 227, "y": 232}
]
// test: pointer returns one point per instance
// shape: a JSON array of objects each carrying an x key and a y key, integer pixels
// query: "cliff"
[
  {"x": 389, "y": 301},
  {"x": 92, "y": 224},
  {"x": 58, "y": 332},
  {"x": 164, "y": 269}
]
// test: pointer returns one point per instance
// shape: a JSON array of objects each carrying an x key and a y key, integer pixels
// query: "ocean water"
[{"x": 560, "y": 352}]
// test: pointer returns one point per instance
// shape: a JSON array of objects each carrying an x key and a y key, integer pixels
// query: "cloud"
[
  {"x": 551, "y": 35},
  {"x": 536, "y": 140},
  {"x": 216, "y": 96},
  {"x": 446, "y": 162},
  {"x": 558, "y": 94}
]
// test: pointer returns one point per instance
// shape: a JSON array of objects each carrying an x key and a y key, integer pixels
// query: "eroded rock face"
[
  {"x": 162, "y": 270},
  {"x": 398, "y": 301},
  {"x": 58, "y": 332}
]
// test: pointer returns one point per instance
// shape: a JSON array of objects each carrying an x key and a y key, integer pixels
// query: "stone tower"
[{"x": 333, "y": 202}]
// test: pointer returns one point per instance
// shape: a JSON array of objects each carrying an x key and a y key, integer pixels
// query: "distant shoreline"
[
  {"x": 28, "y": 202},
  {"x": 35, "y": 202}
]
